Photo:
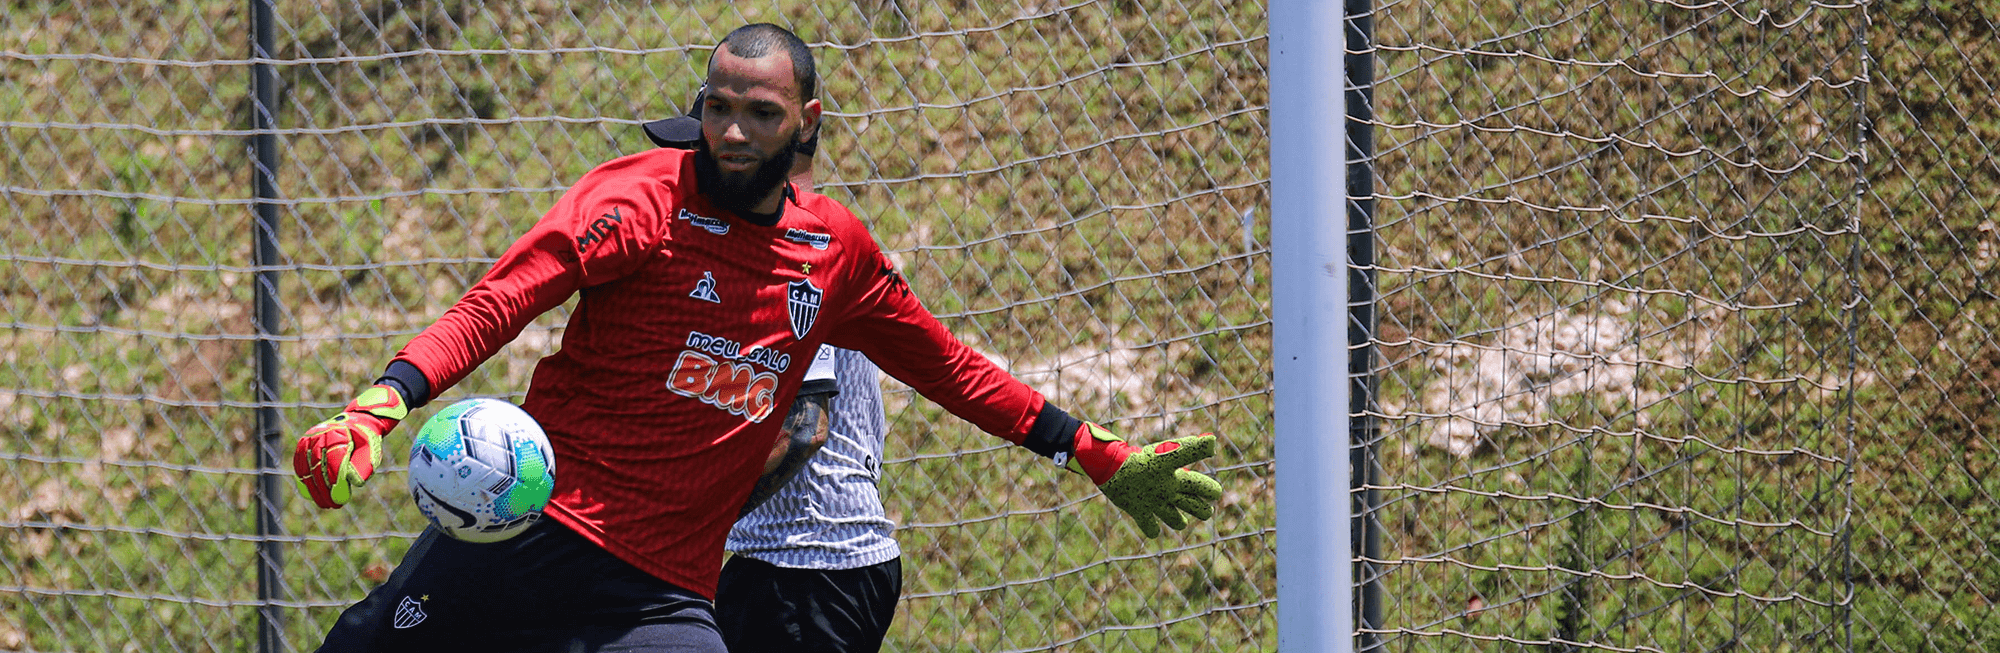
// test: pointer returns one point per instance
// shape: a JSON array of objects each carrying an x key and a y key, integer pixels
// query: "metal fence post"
[
  {"x": 1360, "y": 96},
  {"x": 271, "y": 562}
]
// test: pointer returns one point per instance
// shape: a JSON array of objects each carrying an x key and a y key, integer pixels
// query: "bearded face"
[
  {"x": 737, "y": 189},
  {"x": 753, "y": 112}
]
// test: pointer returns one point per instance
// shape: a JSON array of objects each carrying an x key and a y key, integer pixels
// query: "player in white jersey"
[
  {"x": 816, "y": 567},
  {"x": 816, "y": 564}
]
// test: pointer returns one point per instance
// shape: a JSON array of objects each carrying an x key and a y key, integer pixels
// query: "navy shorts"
[
  {"x": 547, "y": 589},
  {"x": 764, "y": 607}
]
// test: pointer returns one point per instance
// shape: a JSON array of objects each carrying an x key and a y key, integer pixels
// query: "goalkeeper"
[
  {"x": 817, "y": 567},
  {"x": 707, "y": 286}
]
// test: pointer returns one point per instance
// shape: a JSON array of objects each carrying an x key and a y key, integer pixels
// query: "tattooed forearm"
[{"x": 804, "y": 431}]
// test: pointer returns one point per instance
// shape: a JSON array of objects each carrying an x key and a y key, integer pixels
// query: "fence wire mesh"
[
  {"x": 1685, "y": 339},
  {"x": 1618, "y": 323},
  {"x": 1072, "y": 186},
  {"x": 1685, "y": 342}
]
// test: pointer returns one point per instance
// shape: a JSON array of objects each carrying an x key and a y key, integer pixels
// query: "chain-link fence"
[
  {"x": 1071, "y": 186},
  {"x": 1685, "y": 340},
  {"x": 1618, "y": 324}
]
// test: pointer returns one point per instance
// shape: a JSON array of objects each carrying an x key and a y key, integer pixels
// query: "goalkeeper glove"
[
  {"x": 1148, "y": 482},
  {"x": 339, "y": 454}
]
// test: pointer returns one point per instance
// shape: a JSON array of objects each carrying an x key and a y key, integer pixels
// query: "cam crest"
[
  {"x": 409, "y": 613},
  {"x": 802, "y": 300}
]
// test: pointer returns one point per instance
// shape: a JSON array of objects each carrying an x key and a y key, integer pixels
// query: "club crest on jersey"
[
  {"x": 715, "y": 226},
  {"x": 409, "y": 613},
  {"x": 816, "y": 240},
  {"x": 705, "y": 289},
  {"x": 802, "y": 299}
]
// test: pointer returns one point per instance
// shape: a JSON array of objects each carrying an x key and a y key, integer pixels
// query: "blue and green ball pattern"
[
  {"x": 533, "y": 483},
  {"x": 440, "y": 435},
  {"x": 481, "y": 470}
]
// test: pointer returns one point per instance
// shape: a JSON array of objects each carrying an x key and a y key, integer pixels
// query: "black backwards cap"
[{"x": 682, "y": 132}]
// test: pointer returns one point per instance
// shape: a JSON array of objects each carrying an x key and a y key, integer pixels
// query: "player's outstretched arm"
[
  {"x": 902, "y": 337},
  {"x": 338, "y": 455},
  {"x": 1150, "y": 483},
  {"x": 603, "y": 228}
]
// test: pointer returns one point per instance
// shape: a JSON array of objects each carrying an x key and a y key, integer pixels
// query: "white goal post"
[{"x": 1309, "y": 313}]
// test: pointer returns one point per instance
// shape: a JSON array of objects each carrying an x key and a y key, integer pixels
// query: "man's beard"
[{"x": 741, "y": 191}]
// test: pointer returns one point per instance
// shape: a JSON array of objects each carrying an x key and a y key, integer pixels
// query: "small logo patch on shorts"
[{"x": 409, "y": 613}]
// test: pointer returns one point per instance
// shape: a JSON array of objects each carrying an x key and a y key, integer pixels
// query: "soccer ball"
[{"x": 481, "y": 470}]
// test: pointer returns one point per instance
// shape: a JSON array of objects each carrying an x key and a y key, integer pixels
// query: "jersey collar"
[{"x": 771, "y": 219}]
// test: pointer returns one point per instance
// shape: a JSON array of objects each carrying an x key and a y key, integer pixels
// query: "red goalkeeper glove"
[
  {"x": 339, "y": 454},
  {"x": 1149, "y": 483}
]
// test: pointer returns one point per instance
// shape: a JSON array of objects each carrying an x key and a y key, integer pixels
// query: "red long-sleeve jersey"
[{"x": 692, "y": 336}]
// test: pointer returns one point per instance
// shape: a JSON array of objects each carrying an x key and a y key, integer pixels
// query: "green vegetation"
[
  {"x": 1039, "y": 192},
  {"x": 1800, "y": 458},
  {"x": 1800, "y": 463}
]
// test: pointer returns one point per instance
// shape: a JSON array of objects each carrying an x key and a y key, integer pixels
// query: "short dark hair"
[{"x": 755, "y": 41}]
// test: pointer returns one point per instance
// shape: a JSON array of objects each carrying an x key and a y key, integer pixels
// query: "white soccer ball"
[{"x": 482, "y": 470}]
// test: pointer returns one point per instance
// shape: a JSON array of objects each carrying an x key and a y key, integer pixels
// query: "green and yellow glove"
[
  {"x": 339, "y": 454},
  {"x": 1148, "y": 483}
]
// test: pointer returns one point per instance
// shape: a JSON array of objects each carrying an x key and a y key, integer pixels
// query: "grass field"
[
  {"x": 1050, "y": 179},
  {"x": 1736, "y": 382},
  {"x": 1755, "y": 419}
]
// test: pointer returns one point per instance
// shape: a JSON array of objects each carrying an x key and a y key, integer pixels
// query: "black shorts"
[
  {"x": 764, "y": 607},
  {"x": 544, "y": 590}
]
